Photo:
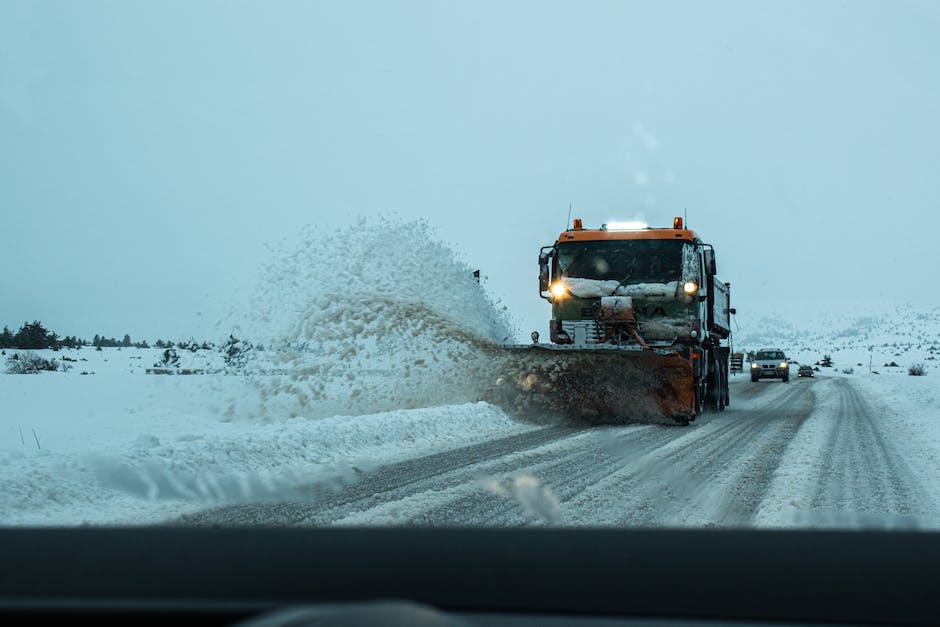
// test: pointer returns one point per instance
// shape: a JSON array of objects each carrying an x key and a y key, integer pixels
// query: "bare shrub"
[
  {"x": 917, "y": 370},
  {"x": 30, "y": 363}
]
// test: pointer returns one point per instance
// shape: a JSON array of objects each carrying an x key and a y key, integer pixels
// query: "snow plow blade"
[{"x": 547, "y": 382}]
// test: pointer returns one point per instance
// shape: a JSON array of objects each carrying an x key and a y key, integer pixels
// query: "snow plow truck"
[{"x": 639, "y": 330}]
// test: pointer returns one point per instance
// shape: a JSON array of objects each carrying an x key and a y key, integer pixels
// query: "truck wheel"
[
  {"x": 699, "y": 398},
  {"x": 714, "y": 396},
  {"x": 726, "y": 390}
]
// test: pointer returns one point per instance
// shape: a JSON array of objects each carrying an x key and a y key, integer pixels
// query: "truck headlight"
[
  {"x": 690, "y": 287},
  {"x": 559, "y": 290}
]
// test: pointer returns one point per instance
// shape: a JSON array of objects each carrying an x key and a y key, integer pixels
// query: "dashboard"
[{"x": 468, "y": 576}]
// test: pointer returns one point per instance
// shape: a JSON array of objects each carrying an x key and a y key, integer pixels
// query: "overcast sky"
[{"x": 150, "y": 150}]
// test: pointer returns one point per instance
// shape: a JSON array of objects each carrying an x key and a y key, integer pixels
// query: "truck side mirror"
[
  {"x": 543, "y": 272},
  {"x": 709, "y": 257}
]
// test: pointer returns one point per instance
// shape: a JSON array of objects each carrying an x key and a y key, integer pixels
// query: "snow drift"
[{"x": 378, "y": 316}]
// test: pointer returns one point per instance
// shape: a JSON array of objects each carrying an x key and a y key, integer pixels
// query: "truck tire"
[
  {"x": 722, "y": 379},
  {"x": 713, "y": 385},
  {"x": 700, "y": 394}
]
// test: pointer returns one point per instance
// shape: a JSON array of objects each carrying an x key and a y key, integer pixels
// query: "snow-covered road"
[{"x": 809, "y": 453}]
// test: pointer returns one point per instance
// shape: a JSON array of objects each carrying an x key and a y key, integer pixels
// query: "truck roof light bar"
[{"x": 624, "y": 226}]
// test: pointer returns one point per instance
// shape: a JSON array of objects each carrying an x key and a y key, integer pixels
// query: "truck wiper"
[
  {"x": 631, "y": 267},
  {"x": 620, "y": 284}
]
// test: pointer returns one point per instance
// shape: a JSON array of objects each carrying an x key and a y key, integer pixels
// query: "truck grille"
[{"x": 583, "y": 331}]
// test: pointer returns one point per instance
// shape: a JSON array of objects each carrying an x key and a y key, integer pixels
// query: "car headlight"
[
  {"x": 783, "y": 364},
  {"x": 755, "y": 365},
  {"x": 559, "y": 290}
]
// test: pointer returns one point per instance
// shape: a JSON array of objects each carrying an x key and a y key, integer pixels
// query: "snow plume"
[{"x": 379, "y": 316}]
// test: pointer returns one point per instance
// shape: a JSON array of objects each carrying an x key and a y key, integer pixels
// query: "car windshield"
[{"x": 335, "y": 264}]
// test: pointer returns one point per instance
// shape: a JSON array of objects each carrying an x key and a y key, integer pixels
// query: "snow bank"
[{"x": 123, "y": 449}]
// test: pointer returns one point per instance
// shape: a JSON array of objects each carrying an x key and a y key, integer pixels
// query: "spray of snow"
[{"x": 379, "y": 316}]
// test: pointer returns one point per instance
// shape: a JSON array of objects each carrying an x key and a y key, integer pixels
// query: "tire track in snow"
[
  {"x": 713, "y": 472},
  {"x": 863, "y": 475},
  {"x": 565, "y": 475},
  {"x": 607, "y": 457},
  {"x": 715, "y": 476},
  {"x": 330, "y": 498}
]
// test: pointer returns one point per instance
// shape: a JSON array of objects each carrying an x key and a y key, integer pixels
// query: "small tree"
[
  {"x": 235, "y": 352},
  {"x": 6, "y": 338},
  {"x": 169, "y": 359},
  {"x": 31, "y": 336}
]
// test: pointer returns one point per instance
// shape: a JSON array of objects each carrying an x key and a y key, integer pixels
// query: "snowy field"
[{"x": 124, "y": 447}]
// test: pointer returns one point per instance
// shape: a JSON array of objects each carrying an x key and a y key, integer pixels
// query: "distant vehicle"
[
  {"x": 770, "y": 363},
  {"x": 805, "y": 371}
]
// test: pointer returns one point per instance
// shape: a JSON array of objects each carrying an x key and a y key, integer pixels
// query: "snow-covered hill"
[{"x": 855, "y": 337}]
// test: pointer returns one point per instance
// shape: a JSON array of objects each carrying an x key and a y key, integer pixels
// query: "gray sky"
[{"x": 150, "y": 150}]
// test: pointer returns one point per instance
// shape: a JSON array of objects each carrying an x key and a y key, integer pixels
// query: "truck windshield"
[{"x": 627, "y": 261}]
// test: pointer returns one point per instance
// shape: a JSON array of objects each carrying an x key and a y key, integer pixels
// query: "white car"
[{"x": 770, "y": 363}]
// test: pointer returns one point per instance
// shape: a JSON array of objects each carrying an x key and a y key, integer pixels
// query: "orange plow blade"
[{"x": 598, "y": 385}]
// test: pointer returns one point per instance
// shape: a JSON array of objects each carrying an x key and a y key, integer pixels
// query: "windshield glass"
[
  {"x": 626, "y": 261},
  {"x": 290, "y": 263}
]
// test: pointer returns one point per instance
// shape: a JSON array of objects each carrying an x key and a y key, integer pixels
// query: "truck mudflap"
[{"x": 604, "y": 384}]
